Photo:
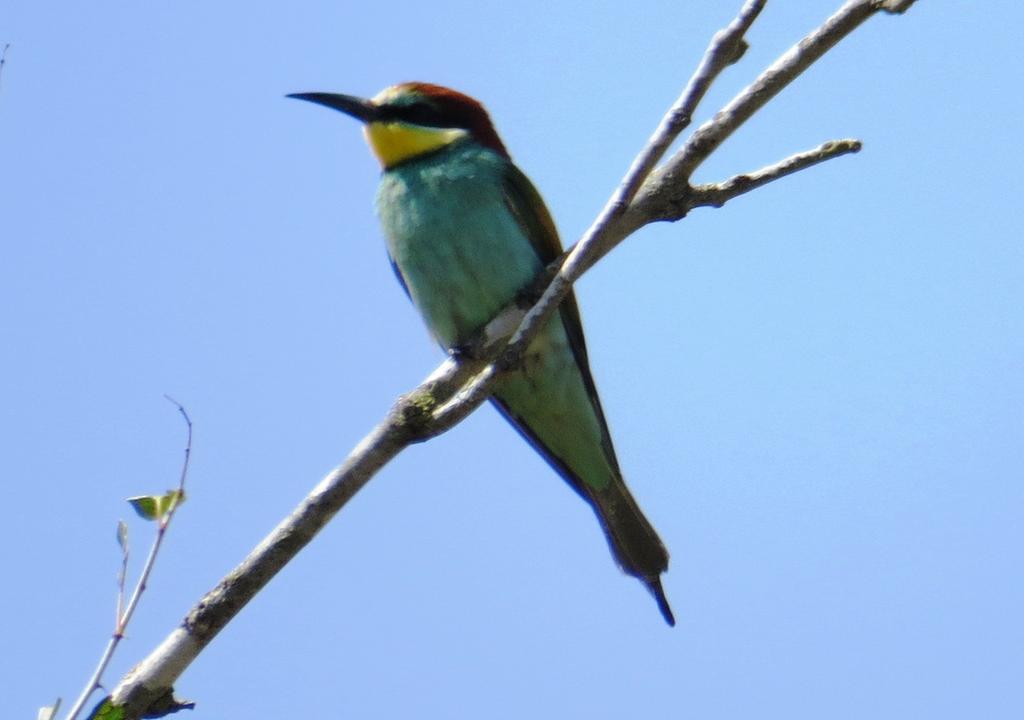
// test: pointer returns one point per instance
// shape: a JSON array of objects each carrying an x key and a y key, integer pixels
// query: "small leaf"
[
  {"x": 122, "y": 535},
  {"x": 106, "y": 710},
  {"x": 155, "y": 507},
  {"x": 49, "y": 712},
  {"x": 145, "y": 506}
]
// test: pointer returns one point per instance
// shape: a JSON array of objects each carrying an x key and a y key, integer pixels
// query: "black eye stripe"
[{"x": 417, "y": 114}]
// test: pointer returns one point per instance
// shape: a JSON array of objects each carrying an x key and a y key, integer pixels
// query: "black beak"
[{"x": 362, "y": 110}]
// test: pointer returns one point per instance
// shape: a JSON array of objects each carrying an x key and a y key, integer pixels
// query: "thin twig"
[
  {"x": 722, "y": 51},
  {"x": 717, "y": 194},
  {"x": 140, "y": 587},
  {"x": 188, "y": 451},
  {"x": 456, "y": 388}
]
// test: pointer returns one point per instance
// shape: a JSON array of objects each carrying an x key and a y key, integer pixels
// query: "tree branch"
[
  {"x": 664, "y": 194},
  {"x": 455, "y": 389},
  {"x": 717, "y": 194}
]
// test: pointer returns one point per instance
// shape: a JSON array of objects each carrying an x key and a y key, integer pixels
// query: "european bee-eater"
[{"x": 466, "y": 231}]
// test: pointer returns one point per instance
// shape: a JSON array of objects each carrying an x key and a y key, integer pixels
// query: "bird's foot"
[{"x": 466, "y": 352}]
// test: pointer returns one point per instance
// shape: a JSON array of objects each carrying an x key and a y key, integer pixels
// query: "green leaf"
[
  {"x": 156, "y": 507},
  {"x": 106, "y": 710}
]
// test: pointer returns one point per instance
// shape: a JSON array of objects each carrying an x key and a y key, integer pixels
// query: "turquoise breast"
[{"x": 460, "y": 251}]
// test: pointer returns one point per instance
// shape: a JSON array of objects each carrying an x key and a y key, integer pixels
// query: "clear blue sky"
[{"x": 817, "y": 392}]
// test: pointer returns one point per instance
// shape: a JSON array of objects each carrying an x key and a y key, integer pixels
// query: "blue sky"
[{"x": 816, "y": 392}]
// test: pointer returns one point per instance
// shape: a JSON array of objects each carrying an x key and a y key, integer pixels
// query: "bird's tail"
[{"x": 633, "y": 541}]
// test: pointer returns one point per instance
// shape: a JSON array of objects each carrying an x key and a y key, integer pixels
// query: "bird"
[{"x": 466, "y": 232}]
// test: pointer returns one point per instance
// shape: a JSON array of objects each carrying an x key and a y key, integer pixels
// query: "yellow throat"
[{"x": 396, "y": 142}]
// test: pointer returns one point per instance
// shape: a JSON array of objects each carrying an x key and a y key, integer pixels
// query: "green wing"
[
  {"x": 634, "y": 542},
  {"x": 529, "y": 210}
]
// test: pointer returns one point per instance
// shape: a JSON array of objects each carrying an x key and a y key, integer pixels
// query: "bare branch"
[
  {"x": 725, "y": 48},
  {"x": 456, "y": 388},
  {"x": 717, "y": 194},
  {"x": 673, "y": 179}
]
